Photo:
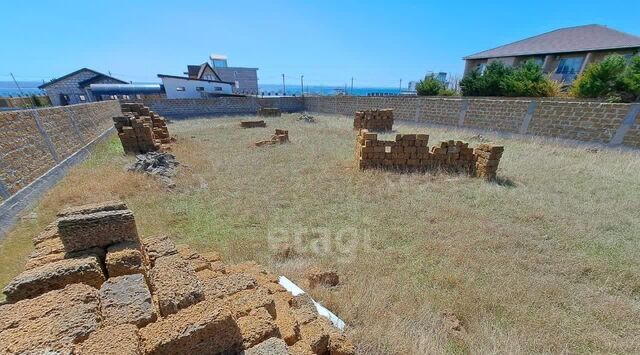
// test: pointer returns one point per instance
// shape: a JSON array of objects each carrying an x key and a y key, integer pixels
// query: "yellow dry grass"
[{"x": 544, "y": 262}]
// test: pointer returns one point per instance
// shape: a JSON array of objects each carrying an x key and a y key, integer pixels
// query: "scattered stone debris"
[
  {"x": 252, "y": 124},
  {"x": 164, "y": 299},
  {"x": 452, "y": 323},
  {"x": 326, "y": 278},
  {"x": 479, "y": 138},
  {"x": 592, "y": 150},
  {"x": 162, "y": 165},
  {"x": 281, "y": 137},
  {"x": 306, "y": 118},
  {"x": 374, "y": 120},
  {"x": 141, "y": 130},
  {"x": 269, "y": 112}
]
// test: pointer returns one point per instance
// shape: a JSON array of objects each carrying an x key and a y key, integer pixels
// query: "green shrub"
[
  {"x": 429, "y": 86},
  {"x": 631, "y": 77},
  {"x": 528, "y": 80},
  {"x": 602, "y": 80}
]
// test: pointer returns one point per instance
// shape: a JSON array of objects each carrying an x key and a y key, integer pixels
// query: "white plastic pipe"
[{"x": 295, "y": 290}]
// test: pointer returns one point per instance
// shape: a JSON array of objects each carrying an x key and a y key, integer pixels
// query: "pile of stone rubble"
[
  {"x": 93, "y": 286},
  {"x": 160, "y": 164}
]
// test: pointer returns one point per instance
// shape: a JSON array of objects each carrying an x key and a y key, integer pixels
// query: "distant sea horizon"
[{"x": 28, "y": 88}]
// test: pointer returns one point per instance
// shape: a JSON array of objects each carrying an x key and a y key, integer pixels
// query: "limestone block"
[
  {"x": 226, "y": 285},
  {"x": 313, "y": 337},
  {"x": 257, "y": 327},
  {"x": 285, "y": 319},
  {"x": 99, "y": 229},
  {"x": 124, "y": 259},
  {"x": 54, "y": 276},
  {"x": 271, "y": 346},
  {"x": 243, "y": 302},
  {"x": 303, "y": 308},
  {"x": 126, "y": 300},
  {"x": 53, "y": 321},
  {"x": 175, "y": 284},
  {"x": 117, "y": 340},
  {"x": 204, "y": 328},
  {"x": 197, "y": 261},
  {"x": 157, "y": 247},
  {"x": 93, "y": 208},
  {"x": 36, "y": 261}
]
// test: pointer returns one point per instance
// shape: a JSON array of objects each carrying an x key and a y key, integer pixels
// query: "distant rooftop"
[{"x": 570, "y": 39}]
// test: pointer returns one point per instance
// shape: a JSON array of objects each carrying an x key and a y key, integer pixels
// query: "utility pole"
[
  {"x": 18, "y": 86},
  {"x": 302, "y": 85},
  {"x": 284, "y": 88},
  {"x": 351, "y": 85},
  {"x": 400, "y": 86}
]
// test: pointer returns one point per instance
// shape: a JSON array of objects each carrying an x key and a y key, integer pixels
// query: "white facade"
[{"x": 185, "y": 88}]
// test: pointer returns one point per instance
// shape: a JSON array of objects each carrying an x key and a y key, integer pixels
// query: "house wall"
[
  {"x": 190, "y": 92},
  {"x": 34, "y": 141},
  {"x": 247, "y": 78},
  {"x": 68, "y": 86}
]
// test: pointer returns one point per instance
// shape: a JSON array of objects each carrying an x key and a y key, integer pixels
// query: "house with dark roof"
[
  {"x": 74, "y": 88},
  {"x": 564, "y": 53},
  {"x": 245, "y": 80}
]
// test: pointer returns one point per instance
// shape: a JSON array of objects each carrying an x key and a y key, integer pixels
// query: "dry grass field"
[{"x": 546, "y": 261}]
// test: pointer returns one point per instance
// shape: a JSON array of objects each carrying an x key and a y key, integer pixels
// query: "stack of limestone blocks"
[
  {"x": 141, "y": 130},
  {"x": 252, "y": 124},
  {"x": 92, "y": 286},
  {"x": 374, "y": 120},
  {"x": 281, "y": 137},
  {"x": 269, "y": 112},
  {"x": 410, "y": 152}
]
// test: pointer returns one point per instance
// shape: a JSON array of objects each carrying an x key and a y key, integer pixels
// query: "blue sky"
[{"x": 376, "y": 42}]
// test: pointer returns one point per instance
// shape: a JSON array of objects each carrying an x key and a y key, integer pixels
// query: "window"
[
  {"x": 219, "y": 63},
  {"x": 180, "y": 88},
  {"x": 570, "y": 65},
  {"x": 481, "y": 67},
  {"x": 83, "y": 98},
  {"x": 199, "y": 88},
  {"x": 217, "y": 88},
  {"x": 237, "y": 84}
]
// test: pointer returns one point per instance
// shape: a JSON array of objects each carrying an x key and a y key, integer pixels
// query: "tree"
[
  {"x": 528, "y": 80},
  {"x": 429, "y": 86},
  {"x": 603, "y": 80},
  {"x": 631, "y": 77},
  {"x": 488, "y": 83}
]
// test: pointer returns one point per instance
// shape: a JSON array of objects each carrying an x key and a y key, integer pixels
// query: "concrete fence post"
[
  {"x": 625, "y": 126},
  {"x": 72, "y": 119},
  {"x": 528, "y": 116},
  {"x": 4, "y": 191},
  {"x": 45, "y": 136},
  {"x": 463, "y": 112}
]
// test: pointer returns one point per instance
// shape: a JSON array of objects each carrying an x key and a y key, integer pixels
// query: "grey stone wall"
[
  {"x": 598, "y": 122},
  {"x": 34, "y": 141},
  {"x": 185, "y": 108}
]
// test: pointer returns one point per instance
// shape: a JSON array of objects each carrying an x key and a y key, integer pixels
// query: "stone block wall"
[
  {"x": 183, "y": 108},
  {"x": 374, "y": 120},
  {"x": 34, "y": 141},
  {"x": 597, "y": 122}
]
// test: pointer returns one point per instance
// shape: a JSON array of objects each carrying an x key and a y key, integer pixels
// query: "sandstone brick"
[
  {"x": 53, "y": 321},
  {"x": 243, "y": 302},
  {"x": 257, "y": 327},
  {"x": 54, "y": 276},
  {"x": 126, "y": 300},
  {"x": 226, "y": 285},
  {"x": 36, "y": 259},
  {"x": 303, "y": 309},
  {"x": 124, "y": 259},
  {"x": 204, "y": 328},
  {"x": 93, "y": 208},
  {"x": 100, "y": 229},
  {"x": 197, "y": 261},
  {"x": 116, "y": 340},
  {"x": 285, "y": 319},
  {"x": 174, "y": 284},
  {"x": 271, "y": 346},
  {"x": 314, "y": 337},
  {"x": 157, "y": 247}
]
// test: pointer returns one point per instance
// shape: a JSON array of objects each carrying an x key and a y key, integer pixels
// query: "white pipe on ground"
[{"x": 295, "y": 290}]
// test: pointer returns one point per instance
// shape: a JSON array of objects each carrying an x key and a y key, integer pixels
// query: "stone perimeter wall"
[
  {"x": 34, "y": 141},
  {"x": 596, "y": 122},
  {"x": 184, "y": 108}
]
